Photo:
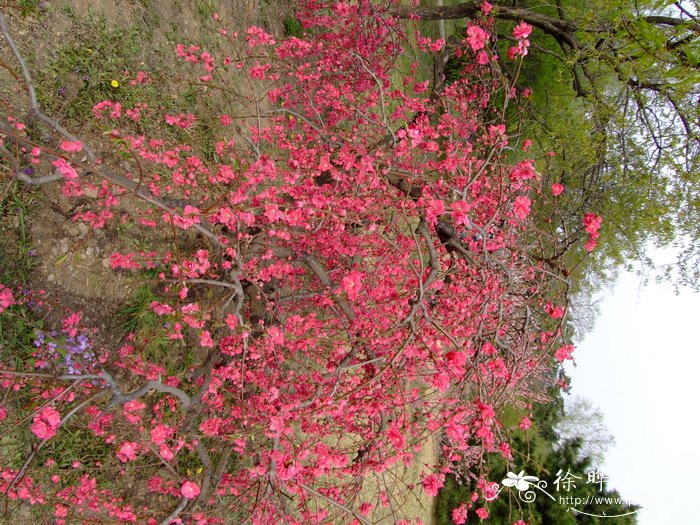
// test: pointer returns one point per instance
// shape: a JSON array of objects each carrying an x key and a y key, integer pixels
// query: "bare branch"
[
  {"x": 562, "y": 30},
  {"x": 319, "y": 271},
  {"x": 176, "y": 512},
  {"x": 23, "y": 64},
  {"x": 340, "y": 506}
]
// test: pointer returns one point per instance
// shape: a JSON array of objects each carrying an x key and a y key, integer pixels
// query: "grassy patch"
[
  {"x": 16, "y": 255},
  {"x": 292, "y": 27},
  {"x": 91, "y": 67},
  {"x": 150, "y": 332}
]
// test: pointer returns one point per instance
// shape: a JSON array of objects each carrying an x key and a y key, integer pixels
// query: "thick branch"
[
  {"x": 562, "y": 30},
  {"x": 119, "y": 397},
  {"x": 322, "y": 275}
]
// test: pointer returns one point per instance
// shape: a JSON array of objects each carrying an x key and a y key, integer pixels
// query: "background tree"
[
  {"x": 543, "y": 451},
  {"x": 584, "y": 421},
  {"x": 615, "y": 95}
]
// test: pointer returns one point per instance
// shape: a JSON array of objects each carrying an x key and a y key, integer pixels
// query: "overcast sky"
[{"x": 641, "y": 366}]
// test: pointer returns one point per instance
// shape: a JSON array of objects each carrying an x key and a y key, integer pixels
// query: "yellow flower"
[{"x": 115, "y": 83}]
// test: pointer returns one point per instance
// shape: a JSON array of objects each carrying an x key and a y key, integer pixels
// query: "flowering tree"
[{"x": 357, "y": 272}]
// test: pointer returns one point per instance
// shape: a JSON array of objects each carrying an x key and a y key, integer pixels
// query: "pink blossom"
[
  {"x": 592, "y": 222},
  {"x": 525, "y": 423},
  {"x": 486, "y": 7},
  {"x": 46, "y": 423},
  {"x": 476, "y": 37},
  {"x": 557, "y": 189},
  {"x": 434, "y": 208},
  {"x": 160, "y": 433},
  {"x": 366, "y": 508},
  {"x": 523, "y": 171},
  {"x": 6, "y": 298},
  {"x": 482, "y": 513},
  {"x": 497, "y": 132},
  {"x": 441, "y": 381},
  {"x": 437, "y": 45},
  {"x": 522, "y": 30},
  {"x": 205, "y": 339},
  {"x": 71, "y": 147},
  {"x": 134, "y": 406},
  {"x": 564, "y": 353},
  {"x": 127, "y": 452},
  {"x": 557, "y": 312},
  {"x": 433, "y": 483},
  {"x": 161, "y": 309},
  {"x": 189, "y": 490},
  {"x": 181, "y": 120},
  {"x": 70, "y": 323},
  {"x": 421, "y": 87},
  {"x": 61, "y": 511},
  {"x": 165, "y": 452},
  {"x": 460, "y": 212},
  {"x": 456, "y": 361},
  {"x": 65, "y": 169},
  {"x": 352, "y": 284},
  {"x": 488, "y": 349},
  {"x": 505, "y": 450},
  {"x": 256, "y": 36},
  {"x": 117, "y": 260},
  {"x": 519, "y": 50},
  {"x": 590, "y": 245},
  {"x": 521, "y": 207},
  {"x": 459, "y": 514},
  {"x": 395, "y": 437}
]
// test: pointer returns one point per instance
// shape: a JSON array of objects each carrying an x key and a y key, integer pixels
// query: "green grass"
[
  {"x": 17, "y": 324},
  {"x": 81, "y": 72},
  {"x": 28, "y": 7},
  {"x": 292, "y": 27},
  {"x": 16, "y": 256},
  {"x": 150, "y": 331}
]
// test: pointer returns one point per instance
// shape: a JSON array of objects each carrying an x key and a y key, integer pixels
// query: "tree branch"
[{"x": 562, "y": 30}]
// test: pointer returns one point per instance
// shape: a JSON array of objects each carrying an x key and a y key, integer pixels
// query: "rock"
[{"x": 91, "y": 192}]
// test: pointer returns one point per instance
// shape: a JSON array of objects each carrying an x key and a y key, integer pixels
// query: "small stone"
[{"x": 91, "y": 192}]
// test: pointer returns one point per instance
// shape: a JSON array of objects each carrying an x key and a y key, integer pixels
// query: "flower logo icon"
[{"x": 519, "y": 481}]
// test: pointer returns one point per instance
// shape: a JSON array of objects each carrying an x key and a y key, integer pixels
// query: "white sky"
[{"x": 641, "y": 366}]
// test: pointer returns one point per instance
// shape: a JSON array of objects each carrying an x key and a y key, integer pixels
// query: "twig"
[
  {"x": 119, "y": 397},
  {"x": 25, "y": 467},
  {"x": 62, "y": 377},
  {"x": 340, "y": 506},
  {"x": 25, "y": 70},
  {"x": 320, "y": 272},
  {"x": 175, "y": 513}
]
